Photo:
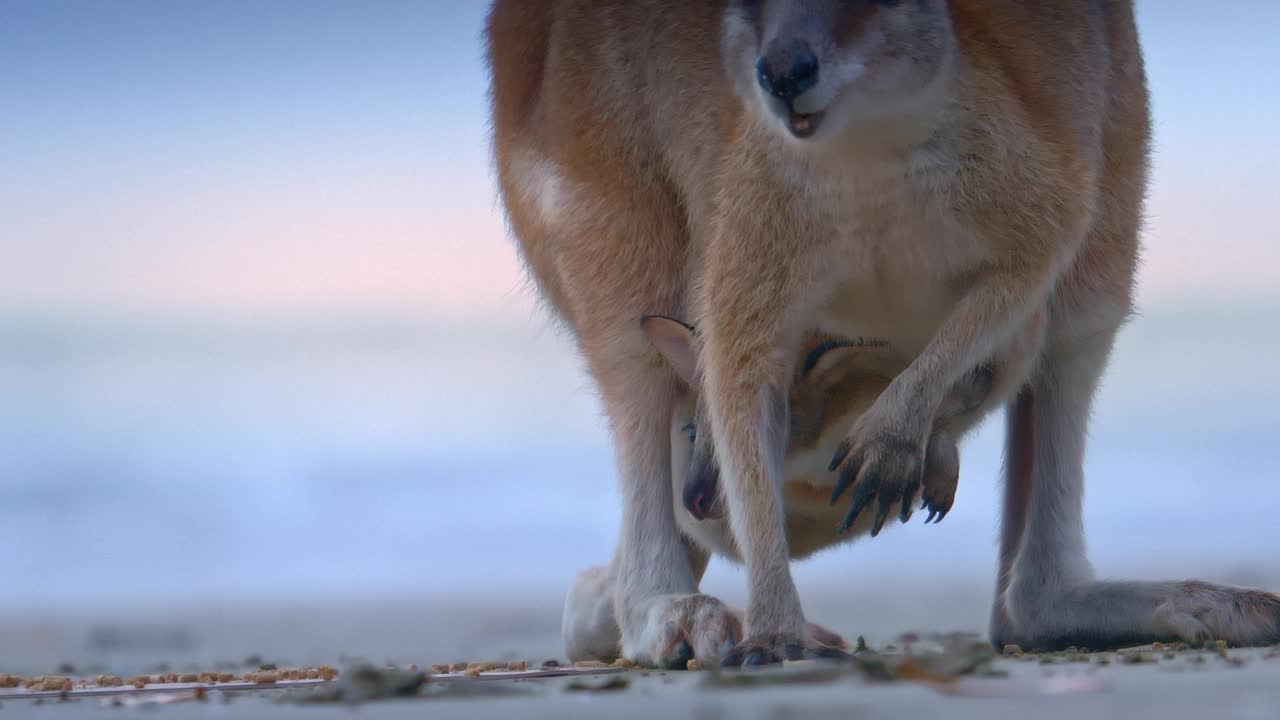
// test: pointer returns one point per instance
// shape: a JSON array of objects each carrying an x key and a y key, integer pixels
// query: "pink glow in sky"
[{"x": 339, "y": 159}]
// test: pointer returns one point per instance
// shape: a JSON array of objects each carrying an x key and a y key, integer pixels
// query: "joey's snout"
[
  {"x": 701, "y": 494},
  {"x": 788, "y": 69}
]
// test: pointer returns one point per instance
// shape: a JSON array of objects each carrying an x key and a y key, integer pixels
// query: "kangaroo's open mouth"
[{"x": 804, "y": 125}]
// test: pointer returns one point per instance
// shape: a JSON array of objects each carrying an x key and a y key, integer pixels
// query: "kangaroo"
[
  {"x": 836, "y": 380},
  {"x": 931, "y": 172}
]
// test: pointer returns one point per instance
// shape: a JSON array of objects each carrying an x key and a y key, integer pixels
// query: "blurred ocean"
[{"x": 158, "y": 461}]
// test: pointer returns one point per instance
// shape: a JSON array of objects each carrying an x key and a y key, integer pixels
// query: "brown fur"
[{"x": 980, "y": 162}]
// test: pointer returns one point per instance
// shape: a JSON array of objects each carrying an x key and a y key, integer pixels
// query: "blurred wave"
[{"x": 224, "y": 457}]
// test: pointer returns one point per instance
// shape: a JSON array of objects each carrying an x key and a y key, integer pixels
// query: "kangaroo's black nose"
[{"x": 787, "y": 70}]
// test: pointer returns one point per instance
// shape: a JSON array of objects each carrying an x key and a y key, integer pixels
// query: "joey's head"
[
  {"x": 835, "y": 381},
  {"x": 820, "y": 68}
]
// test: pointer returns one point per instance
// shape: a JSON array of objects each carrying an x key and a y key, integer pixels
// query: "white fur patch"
[{"x": 542, "y": 186}]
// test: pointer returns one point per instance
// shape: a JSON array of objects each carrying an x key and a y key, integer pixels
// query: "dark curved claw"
[
  {"x": 882, "y": 513},
  {"x": 908, "y": 499},
  {"x": 847, "y": 477},
  {"x": 862, "y": 496},
  {"x": 841, "y": 453}
]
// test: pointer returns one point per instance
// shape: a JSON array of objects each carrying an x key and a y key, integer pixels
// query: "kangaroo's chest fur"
[{"x": 899, "y": 257}]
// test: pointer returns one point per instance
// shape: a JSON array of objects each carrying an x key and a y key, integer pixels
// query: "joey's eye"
[{"x": 691, "y": 430}]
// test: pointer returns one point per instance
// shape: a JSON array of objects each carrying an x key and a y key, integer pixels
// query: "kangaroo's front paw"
[
  {"x": 679, "y": 628},
  {"x": 881, "y": 465},
  {"x": 773, "y": 649}
]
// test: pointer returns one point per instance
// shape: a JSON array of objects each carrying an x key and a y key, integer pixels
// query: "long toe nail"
[
  {"x": 932, "y": 513},
  {"x": 882, "y": 513},
  {"x": 755, "y": 657},
  {"x": 942, "y": 515},
  {"x": 878, "y": 524},
  {"x": 841, "y": 453},
  {"x": 847, "y": 476}
]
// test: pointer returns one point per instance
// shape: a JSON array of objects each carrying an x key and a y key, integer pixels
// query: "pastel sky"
[{"x": 244, "y": 156}]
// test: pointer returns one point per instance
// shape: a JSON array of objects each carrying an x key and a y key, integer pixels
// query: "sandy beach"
[{"x": 1246, "y": 684}]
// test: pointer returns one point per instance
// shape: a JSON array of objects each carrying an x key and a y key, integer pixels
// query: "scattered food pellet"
[
  {"x": 52, "y": 684},
  {"x": 9, "y": 681},
  {"x": 590, "y": 664},
  {"x": 188, "y": 678},
  {"x": 108, "y": 681},
  {"x": 623, "y": 663},
  {"x": 472, "y": 673},
  {"x": 518, "y": 666},
  {"x": 327, "y": 673},
  {"x": 1157, "y": 646},
  {"x": 693, "y": 665},
  {"x": 1220, "y": 644},
  {"x": 458, "y": 667},
  {"x": 139, "y": 681},
  {"x": 440, "y": 670},
  {"x": 226, "y": 677},
  {"x": 483, "y": 667}
]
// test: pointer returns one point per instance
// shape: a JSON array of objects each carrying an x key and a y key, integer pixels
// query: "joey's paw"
[
  {"x": 773, "y": 649},
  {"x": 679, "y": 628},
  {"x": 941, "y": 477},
  {"x": 883, "y": 468},
  {"x": 938, "y": 501}
]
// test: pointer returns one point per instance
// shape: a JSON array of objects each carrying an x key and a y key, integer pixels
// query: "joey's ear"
[
  {"x": 833, "y": 359},
  {"x": 675, "y": 341}
]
